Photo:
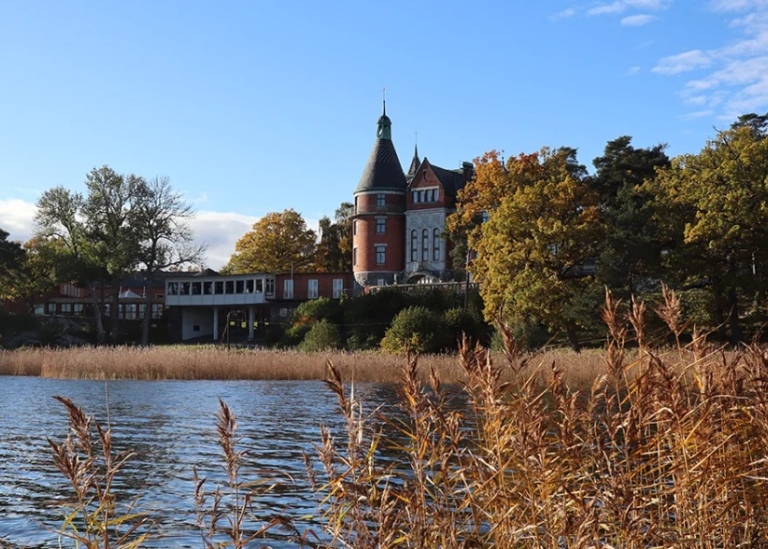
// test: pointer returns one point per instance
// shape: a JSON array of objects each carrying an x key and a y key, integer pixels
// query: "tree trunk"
[
  {"x": 114, "y": 313},
  {"x": 147, "y": 321},
  {"x": 734, "y": 325},
  {"x": 98, "y": 323},
  {"x": 573, "y": 337}
]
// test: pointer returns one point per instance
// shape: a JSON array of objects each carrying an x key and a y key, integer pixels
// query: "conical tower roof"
[{"x": 383, "y": 171}]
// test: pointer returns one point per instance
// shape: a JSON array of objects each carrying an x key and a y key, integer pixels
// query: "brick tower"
[{"x": 378, "y": 224}]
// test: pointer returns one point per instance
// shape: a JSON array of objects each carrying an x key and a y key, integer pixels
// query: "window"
[
  {"x": 381, "y": 225},
  {"x": 425, "y": 244},
  {"x": 381, "y": 200},
  {"x": 354, "y": 256},
  {"x": 229, "y": 286},
  {"x": 354, "y": 226},
  {"x": 436, "y": 244},
  {"x": 218, "y": 287},
  {"x": 239, "y": 286},
  {"x": 185, "y": 288},
  {"x": 415, "y": 196},
  {"x": 157, "y": 310},
  {"x": 78, "y": 309},
  {"x": 207, "y": 288},
  {"x": 249, "y": 286},
  {"x": 66, "y": 308},
  {"x": 338, "y": 287},
  {"x": 130, "y": 311},
  {"x": 356, "y": 205},
  {"x": 414, "y": 246},
  {"x": 288, "y": 289},
  {"x": 270, "y": 286},
  {"x": 380, "y": 282},
  {"x": 197, "y": 288},
  {"x": 259, "y": 285},
  {"x": 173, "y": 288},
  {"x": 381, "y": 254},
  {"x": 39, "y": 309},
  {"x": 142, "y": 308},
  {"x": 312, "y": 288}
]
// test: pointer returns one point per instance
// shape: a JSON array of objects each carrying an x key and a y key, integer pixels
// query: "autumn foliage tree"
[
  {"x": 279, "y": 242},
  {"x": 542, "y": 225}
]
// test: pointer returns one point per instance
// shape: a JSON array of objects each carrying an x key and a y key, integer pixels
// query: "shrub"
[
  {"x": 322, "y": 336},
  {"x": 418, "y": 329}
]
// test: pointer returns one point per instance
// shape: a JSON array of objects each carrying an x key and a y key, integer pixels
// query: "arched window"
[
  {"x": 436, "y": 245},
  {"x": 425, "y": 244},
  {"x": 414, "y": 246}
]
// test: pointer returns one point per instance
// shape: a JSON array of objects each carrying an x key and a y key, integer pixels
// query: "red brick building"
[{"x": 399, "y": 217}]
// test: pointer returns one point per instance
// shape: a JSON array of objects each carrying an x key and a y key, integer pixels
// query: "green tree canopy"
[
  {"x": 713, "y": 207},
  {"x": 629, "y": 254},
  {"x": 11, "y": 259},
  {"x": 279, "y": 242},
  {"x": 334, "y": 251}
]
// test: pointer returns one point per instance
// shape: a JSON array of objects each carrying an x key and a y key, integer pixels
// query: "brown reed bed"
[
  {"x": 211, "y": 362},
  {"x": 661, "y": 449}
]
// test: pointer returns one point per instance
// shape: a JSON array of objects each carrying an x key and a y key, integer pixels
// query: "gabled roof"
[{"x": 383, "y": 171}]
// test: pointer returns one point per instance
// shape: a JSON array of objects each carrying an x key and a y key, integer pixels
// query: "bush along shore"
[{"x": 661, "y": 450}]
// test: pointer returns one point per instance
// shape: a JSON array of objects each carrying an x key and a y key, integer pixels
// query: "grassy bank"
[{"x": 209, "y": 362}]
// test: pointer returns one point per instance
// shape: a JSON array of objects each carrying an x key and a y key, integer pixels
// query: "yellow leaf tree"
[
  {"x": 279, "y": 242},
  {"x": 532, "y": 223}
]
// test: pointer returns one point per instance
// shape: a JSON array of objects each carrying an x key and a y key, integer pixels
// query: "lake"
[{"x": 171, "y": 426}]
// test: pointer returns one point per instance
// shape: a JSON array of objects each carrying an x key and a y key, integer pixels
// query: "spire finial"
[
  {"x": 416, "y": 144},
  {"x": 384, "y": 100}
]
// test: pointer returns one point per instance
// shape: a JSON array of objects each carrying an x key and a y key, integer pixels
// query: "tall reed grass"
[
  {"x": 211, "y": 362},
  {"x": 662, "y": 449}
]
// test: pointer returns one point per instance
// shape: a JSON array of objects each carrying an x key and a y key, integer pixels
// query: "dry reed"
[
  {"x": 210, "y": 362},
  {"x": 663, "y": 450}
]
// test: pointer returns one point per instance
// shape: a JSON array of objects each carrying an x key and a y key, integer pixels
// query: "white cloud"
[
  {"x": 219, "y": 232},
  {"x": 682, "y": 62},
  {"x": 620, "y": 6},
  {"x": 733, "y": 77},
  {"x": 17, "y": 217},
  {"x": 737, "y": 5},
  {"x": 698, "y": 114},
  {"x": 637, "y": 20},
  {"x": 565, "y": 14},
  {"x": 633, "y": 70}
]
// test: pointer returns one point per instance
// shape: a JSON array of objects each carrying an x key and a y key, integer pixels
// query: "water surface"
[{"x": 171, "y": 427}]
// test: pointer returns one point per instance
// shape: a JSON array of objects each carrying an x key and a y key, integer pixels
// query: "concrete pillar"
[
  {"x": 251, "y": 319},
  {"x": 215, "y": 323}
]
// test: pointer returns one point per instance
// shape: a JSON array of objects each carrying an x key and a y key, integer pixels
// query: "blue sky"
[{"x": 255, "y": 106}]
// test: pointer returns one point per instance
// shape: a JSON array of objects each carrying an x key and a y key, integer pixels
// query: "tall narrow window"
[
  {"x": 381, "y": 225},
  {"x": 436, "y": 245},
  {"x": 312, "y": 288},
  {"x": 381, "y": 255},
  {"x": 338, "y": 287},
  {"x": 381, "y": 200},
  {"x": 354, "y": 256},
  {"x": 288, "y": 289},
  {"x": 414, "y": 246},
  {"x": 425, "y": 244},
  {"x": 354, "y": 227}
]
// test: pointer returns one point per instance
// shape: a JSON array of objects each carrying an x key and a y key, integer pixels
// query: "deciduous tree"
[
  {"x": 159, "y": 215},
  {"x": 334, "y": 251},
  {"x": 279, "y": 242},
  {"x": 714, "y": 206},
  {"x": 542, "y": 225}
]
